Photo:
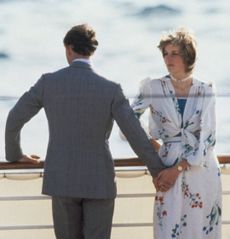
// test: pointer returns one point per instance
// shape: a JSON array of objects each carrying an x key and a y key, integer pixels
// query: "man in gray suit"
[{"x": 80, "y": 107}]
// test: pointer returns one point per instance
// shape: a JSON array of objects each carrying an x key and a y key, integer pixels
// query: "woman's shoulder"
[
  {"x": 148, "y": 81},
  {"x": 208, "y": 87},
  {"x": 148, "y": 85}
]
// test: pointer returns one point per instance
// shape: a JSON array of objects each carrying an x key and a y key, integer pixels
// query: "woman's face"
[{"x": 173, "y": 59}]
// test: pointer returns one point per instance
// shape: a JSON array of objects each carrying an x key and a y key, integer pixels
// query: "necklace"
[{"x": 182, "y": 80}]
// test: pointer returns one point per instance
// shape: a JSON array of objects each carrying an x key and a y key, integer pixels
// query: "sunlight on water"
[{"x": 128, "y": 33}]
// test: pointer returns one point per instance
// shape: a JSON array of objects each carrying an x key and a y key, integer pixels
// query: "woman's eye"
[{"x": 171, "y": 54}]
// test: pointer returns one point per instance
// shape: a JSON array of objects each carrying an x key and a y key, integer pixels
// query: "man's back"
[
  {"x": 78, "y": 103},
  {"x": 80, "y": 107}
]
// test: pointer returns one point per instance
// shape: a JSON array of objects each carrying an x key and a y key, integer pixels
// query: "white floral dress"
[{"x": 191, "y": 209}]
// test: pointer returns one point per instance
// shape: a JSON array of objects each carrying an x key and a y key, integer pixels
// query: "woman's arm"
[
  {"x": 142, "y": 101},
  {"x": 155, "y": 144},
  {"x": 207, "y": 136}
]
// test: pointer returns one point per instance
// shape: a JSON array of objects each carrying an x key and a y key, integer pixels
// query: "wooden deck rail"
[{"x": 126, "y": 162}]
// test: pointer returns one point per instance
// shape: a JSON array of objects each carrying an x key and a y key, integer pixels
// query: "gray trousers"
[{"x": 76, "y": 218}]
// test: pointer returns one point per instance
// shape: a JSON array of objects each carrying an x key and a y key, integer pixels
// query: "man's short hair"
[{"x": 82, "y": 38}]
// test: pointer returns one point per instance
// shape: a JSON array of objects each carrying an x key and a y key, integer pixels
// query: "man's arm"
[
  {"x": 26, "y": 107},
  {"x": 137, "y": 138}
]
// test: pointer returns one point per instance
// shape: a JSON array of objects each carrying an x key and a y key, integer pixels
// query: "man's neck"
[
  {"x": 79, "y": 57},
  {"x": 85, "y": 60}
]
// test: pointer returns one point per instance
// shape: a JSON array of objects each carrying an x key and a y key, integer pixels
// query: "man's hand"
[
  {"x": 34, "y": 159},
  {"x": 166, "y": 178},
  {"x": 155, "y": 182},
  {"x": 161, "y": 186}
]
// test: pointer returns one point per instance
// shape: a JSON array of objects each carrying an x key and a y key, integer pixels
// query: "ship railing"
[{"x": 124, "y": 168}]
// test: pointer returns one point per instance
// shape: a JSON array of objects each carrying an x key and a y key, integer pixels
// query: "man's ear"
[
  {"x": 69, "y": 50},
  {"x": 69, "y": 53}
]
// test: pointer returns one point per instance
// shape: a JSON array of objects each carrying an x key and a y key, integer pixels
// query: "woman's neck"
[
  {"x": 181, "y": 78},
  {"x": 182, "y": 84}
]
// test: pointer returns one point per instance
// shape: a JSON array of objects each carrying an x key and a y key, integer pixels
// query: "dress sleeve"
[
  {"x": 142, "y": 101},
  {"x": 207, "y": 136}
]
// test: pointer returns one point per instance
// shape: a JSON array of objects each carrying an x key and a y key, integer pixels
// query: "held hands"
[
  {"x": 34, "y": 159},
  {"x": 166, "y": 179}
]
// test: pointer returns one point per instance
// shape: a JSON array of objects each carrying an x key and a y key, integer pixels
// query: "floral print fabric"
[{"x": 192, "y": 207}]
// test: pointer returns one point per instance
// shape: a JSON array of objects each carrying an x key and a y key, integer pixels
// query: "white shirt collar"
[{"x": 87, "y": 61}]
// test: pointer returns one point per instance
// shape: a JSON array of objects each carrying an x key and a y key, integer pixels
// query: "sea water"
[{"x": 31, "y": 36}]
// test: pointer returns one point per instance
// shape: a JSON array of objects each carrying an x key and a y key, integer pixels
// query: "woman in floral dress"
[{"x": 182, "y": 116}]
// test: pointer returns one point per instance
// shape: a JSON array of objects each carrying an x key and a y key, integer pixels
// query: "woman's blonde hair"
[{"x": 185, "y": 40}]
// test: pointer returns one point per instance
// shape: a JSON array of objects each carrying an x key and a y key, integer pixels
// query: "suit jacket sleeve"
[
  {"x": 26, "y": 107},
  {"x": 137, "y": 138}
]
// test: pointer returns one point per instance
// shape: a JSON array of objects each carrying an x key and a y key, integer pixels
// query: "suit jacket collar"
[{"x": 80, "y": 64}]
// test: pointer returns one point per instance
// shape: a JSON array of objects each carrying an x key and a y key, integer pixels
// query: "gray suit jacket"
[{"x": 80, "y": 107}]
